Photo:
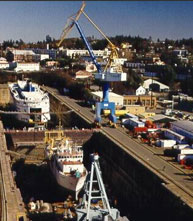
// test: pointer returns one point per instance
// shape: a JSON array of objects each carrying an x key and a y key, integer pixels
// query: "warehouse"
[
  {"x": 183, "y": 127},
  {"x": 116, "y": 98}
]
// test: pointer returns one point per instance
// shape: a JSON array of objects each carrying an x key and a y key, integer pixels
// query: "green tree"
[
  {"x": 9, "y": 56},
  {"x": 79, "y": 44},
  {"x": 168, "y": 75},
  {"x": 133, "y": 80},
  {"x": 99, "y": 44}
]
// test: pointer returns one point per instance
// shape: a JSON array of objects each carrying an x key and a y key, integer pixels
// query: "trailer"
[
  {"x": 166, "y": 143},
  {"x": 181, "y": 146},
  {"x": 186, "y": 151},
  {"x": 128, "y": 116},
  {"x": 131, "y": 123}
]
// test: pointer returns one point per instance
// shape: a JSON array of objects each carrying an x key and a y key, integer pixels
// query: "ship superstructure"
[
  {"x": 31, "y": 101},
  {"x": 66, "y": 163}
]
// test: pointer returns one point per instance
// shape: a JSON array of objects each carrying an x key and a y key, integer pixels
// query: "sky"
[{"x": 33, "y": 20}]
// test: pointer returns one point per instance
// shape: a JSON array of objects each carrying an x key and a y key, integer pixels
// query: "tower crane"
[{"x": 112, "y": 71}]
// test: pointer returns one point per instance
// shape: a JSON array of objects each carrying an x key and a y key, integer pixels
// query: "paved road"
[{"x": 175, "y": 179}]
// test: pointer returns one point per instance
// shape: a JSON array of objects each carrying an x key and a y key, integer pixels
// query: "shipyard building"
[{"x": 183, "y": 127}]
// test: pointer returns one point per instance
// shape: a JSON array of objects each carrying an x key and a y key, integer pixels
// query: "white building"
[
  {"x": 149, "y": 82},
  {"x": 90, "y": 67},
  {"x": 44, "y": 56},
  {"x": 140, "y": 91},
  {"x": 80, "y": 52},
  {"x": 27, "y": 67},
  {"x": 3, "y": 63},
  {"x": 116, "y": 98},
  {"x": 120, "y": 61},
  {"x": 21, "y": 55}
]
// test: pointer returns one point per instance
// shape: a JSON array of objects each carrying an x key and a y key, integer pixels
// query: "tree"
[
  {"x": 9, "y": 56},
  {"x": 99, "y": 44},
  {"x": 133, "y": 80},
  {"x": 168, "y": 75},
  {"x": 79, "y": 44}
]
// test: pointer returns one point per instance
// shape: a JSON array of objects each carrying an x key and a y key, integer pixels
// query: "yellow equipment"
[{"x": 118, "y": 113}]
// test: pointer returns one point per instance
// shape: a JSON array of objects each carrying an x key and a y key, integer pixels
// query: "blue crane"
[
  {"x": 105, "y": 104},
  {"x": 109, "y": 74}
]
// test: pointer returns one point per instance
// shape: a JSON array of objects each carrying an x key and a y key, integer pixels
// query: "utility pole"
[{"x": 151, "y": 86}]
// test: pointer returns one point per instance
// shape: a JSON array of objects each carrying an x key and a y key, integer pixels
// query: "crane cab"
[{"x": 111, "y": 76}]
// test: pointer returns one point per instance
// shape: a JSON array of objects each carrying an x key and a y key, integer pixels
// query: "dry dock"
[{"x": 173, "y": 178}]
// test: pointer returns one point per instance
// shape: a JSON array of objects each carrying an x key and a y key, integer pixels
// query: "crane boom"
[
  {"x": 69, "y": 27},
  {"x": 114, "y": 49},
  {"x": 90, "y": 20}
]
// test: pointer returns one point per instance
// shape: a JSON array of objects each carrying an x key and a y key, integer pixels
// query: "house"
[
  {"x": 140, "y": 91},
  {"x": 52, "y": 63},
  {"x": 151, "y": 84},
  {"x": 3, "y": 63},
  {"x": 82, "y": 74}
]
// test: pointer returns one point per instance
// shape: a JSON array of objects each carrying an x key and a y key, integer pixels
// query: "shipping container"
[
  {"x": 181, "y": 146},
  {"x": 167, "y": 143},
  {"x": 133, "y": 123},
  {"x": 186, "y": 151},
  {"x": 128, "y": 115}
]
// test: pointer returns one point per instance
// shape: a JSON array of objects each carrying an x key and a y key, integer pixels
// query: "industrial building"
[
  {"x": 116, "y": 98},
  {"x": 26, "y": 55},
  {"x": 145, "y": 100},
  {"x": 183, "y": 127},
  {"x": 27, "y": 67},
  {"x": 83, "y": 52},
  {"x": 161, "y": 120},
  {"x": 156, "y": 85},
  {"x": 134, "y": 109}
]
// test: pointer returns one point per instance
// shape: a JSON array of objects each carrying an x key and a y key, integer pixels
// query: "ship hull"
[{"x": 68, "y": 182}]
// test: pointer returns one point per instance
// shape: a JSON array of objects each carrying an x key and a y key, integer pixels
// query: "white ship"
[
  {"x": 66, "y": 163},
  {"x": 29, "y": 98}
]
